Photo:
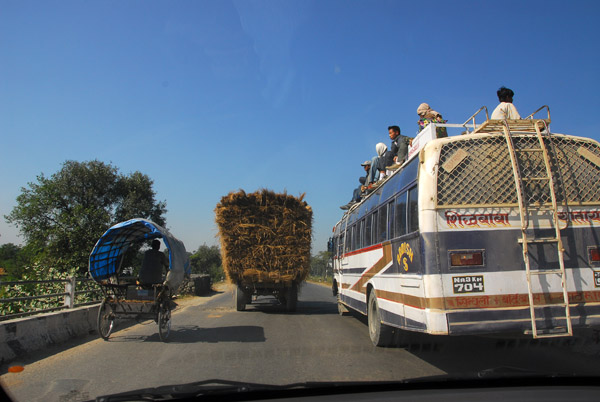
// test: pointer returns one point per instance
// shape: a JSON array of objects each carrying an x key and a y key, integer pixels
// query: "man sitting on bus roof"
[
  {"x": 506, "y": 109},
  {"x": 399, "y": 147},
  {"x": 356, "y": 195},
  {"x": 152, "y": 265},
  {"x": 377, "y": 164},
  {"x": 427, "y": 115}
]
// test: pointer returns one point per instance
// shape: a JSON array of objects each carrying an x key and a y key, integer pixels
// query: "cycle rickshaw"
[{"x": 123, "y": 296}]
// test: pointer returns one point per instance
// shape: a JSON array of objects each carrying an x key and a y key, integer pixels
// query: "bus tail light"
[
  {"x": 594, "y": 254},
  {"x": 465, "y": 259}
]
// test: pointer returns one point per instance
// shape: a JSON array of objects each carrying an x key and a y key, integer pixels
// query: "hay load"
[{"x": 265, "y": 237}]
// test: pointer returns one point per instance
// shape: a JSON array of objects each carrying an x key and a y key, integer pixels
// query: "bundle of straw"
[{"x": 265, "y": 236}]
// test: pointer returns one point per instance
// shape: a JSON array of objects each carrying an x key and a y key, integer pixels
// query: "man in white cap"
[{"x": 356, "y": 195}]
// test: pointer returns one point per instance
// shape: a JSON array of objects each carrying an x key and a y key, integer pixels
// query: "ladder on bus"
[{"x": 544, "y": 177}]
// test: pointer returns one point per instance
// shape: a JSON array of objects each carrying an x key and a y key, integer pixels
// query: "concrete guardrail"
[{"x": 21, "y": 336}]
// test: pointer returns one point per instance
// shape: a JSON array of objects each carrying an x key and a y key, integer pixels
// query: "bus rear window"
[{"x": 478, "y": 171}]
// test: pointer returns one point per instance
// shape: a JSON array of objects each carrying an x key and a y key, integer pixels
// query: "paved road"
[{"x": 210, "y": 339}]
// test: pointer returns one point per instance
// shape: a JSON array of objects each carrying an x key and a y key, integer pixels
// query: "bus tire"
[
  {"x": 380, "y": 334},
  {"x": 240, "y": 299}
]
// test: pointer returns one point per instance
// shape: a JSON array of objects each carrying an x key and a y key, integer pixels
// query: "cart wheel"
[
  {"x": 380, "y": 334},
  {"x": 164, "y": 321},
  {"x": 240, "y": 299},
  {"x": 106, "y": 319},
  {"x": 291, "y": 298}
]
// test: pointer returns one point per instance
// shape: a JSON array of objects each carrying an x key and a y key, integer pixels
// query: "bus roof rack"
[
  {"x": 496, "y": 126},
  {"x": 526, "y": 125}
]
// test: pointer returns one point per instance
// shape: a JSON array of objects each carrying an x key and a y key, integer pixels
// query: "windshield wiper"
[
  {"x": 225, "y": 387},
  {"x": 234, "y": 390}
]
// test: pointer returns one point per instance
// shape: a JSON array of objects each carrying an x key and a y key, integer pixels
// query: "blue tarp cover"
[{"x": 105, "y": 258}]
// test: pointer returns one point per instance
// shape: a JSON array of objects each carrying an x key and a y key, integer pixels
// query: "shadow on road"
[
  {"x": 496, "y": 356},
  {"x": 195, "y": 334},
  {"x": 270, "y": 305}
]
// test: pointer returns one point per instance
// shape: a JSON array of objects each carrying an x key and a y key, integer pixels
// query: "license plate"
[{"x": 468, "y": 284}]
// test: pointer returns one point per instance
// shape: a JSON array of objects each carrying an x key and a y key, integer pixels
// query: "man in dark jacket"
[
  {"x": 399, "y": 147},
  {"x": 153, "y": 264},
  {"x": 356, "y": 195}
]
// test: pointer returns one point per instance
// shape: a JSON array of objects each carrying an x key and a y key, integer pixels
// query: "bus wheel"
[
  {"x": 240, "y": 299},
  {"x": 380, "y": 334}
]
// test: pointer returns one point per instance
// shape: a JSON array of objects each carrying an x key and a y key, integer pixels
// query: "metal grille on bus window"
[
  {"x": 477, "y": 171},
  {"x": 579, "y": 164},
  {"x": 484, "y": 176}
]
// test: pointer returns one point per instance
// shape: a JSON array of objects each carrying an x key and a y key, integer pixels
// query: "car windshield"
[{"x": 256, "y": 193}]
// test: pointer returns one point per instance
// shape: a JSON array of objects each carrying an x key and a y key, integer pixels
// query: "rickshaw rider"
[{"x": 152, "y": 265}]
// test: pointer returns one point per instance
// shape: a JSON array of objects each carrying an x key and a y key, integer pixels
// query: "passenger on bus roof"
[
  {"x": 152, "y": 265},
  {"x": 356, "y": 195},
  {"x": 377, "y": 163},
  {"x": 506, "y": 109},
  {"x": 398, "y": 149},
  {"x": 428, "y": 115}
]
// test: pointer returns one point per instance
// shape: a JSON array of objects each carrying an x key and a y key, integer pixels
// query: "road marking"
[{"x": 215, "y": 315}]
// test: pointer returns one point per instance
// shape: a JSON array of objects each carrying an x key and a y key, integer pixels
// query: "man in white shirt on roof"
[{"x": 505, "y": 110}]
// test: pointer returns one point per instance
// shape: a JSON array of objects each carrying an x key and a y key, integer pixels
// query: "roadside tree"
[
  {"x": 320, "y": 264},
  {"x": 207, "y": 260},
  {"x": 62, "y": 216}
]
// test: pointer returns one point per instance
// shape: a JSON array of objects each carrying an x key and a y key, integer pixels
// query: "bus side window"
[
  {"x": 374, "y": 231},
  {"x": 360, "y": 234},
  {"x": 413, "y": 210},
  {"x": 368, "y": 231},
  {"x": 341, "y": 245},
  {"x": 348, "y": 239},
  {"x": 354, "y": 236},
  {"x": 400, "y": 215},
  {"x": 390, "y": 219},
  {"x": 383, "y": 224}
]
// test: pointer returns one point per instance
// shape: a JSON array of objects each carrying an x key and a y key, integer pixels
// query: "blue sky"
[{"x": 208, "y": 97}]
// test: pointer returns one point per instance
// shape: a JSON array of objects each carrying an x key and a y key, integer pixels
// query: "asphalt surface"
[{"x": 210, "y": 340}]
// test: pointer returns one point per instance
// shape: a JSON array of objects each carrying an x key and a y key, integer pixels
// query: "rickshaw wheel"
[
  {"x": 106, "y": 320},
  {"x": 164, "y": 321}
]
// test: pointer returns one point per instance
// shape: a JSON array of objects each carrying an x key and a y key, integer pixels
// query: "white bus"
[{"x": 497, "y": 230}]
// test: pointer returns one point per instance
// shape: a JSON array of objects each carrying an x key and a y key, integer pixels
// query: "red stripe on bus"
[{"x": 363, "y": 250}]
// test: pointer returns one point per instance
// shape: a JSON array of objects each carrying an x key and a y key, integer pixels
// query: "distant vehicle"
[
  {"x": 494, "y": 231},
  {"x": 265, "y": 238}
]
